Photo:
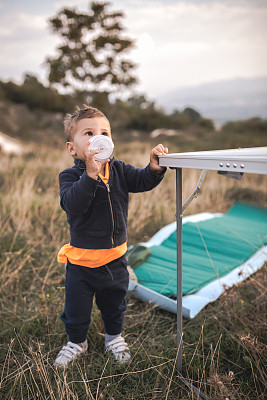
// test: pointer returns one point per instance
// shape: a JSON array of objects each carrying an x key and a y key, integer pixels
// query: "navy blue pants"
[{"x": 108, "y": 284}]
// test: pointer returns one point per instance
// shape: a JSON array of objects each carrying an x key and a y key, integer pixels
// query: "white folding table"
[{"x": 249, "y": 160}]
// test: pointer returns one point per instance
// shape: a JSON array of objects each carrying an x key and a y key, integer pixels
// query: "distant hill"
[
  {"x": 19, "y": 122},
  {"x": 222, "y": 101}
]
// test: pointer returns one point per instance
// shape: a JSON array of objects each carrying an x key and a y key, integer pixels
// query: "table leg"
[{"x": 179, "y": 266}]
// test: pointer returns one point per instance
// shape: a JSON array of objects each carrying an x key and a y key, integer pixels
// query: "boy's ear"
[{"x": 70, "y": 148}]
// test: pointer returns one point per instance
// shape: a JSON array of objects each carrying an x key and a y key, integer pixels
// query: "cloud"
[
  {"x": 21, "y": 25},
  {"x": 25, "y": 41},
  {"x": 177, "y": 42},
  {"x": 185, "y": 48},
  {"x": 71, "y": 4},
  {"x": 169, "y": 22},
  {"x": 194, "y": 42}
]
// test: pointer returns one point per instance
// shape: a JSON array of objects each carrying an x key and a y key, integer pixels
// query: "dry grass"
[{"x": 223, "y": 347}]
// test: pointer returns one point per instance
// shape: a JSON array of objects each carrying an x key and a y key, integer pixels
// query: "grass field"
[{"x": 224, "y": 346}]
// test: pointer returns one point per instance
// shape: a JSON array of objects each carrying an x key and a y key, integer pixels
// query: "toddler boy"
[{"x": 94, "y": 195}]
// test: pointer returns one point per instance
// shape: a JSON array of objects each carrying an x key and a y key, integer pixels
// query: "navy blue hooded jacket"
[{"x": 97, "y": 213}]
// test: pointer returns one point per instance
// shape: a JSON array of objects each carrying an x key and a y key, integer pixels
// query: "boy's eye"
[
  {"x": 89, "y": 133},
  {"x": 104, "y": 133}
]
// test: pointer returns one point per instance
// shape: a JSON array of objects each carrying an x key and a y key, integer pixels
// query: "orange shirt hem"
[{"x": 88, "y": 257}]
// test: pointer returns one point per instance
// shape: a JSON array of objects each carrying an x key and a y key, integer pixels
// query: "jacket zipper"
[{"x": 112, "y": 215}]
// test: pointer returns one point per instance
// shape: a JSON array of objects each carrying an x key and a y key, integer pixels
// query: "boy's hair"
[{"x": 80, "y": 113}]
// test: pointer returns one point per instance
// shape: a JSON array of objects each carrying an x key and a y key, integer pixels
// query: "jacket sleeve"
[
  {"x": 76, "y": 192},
  {"x": 141, "y": 179}
]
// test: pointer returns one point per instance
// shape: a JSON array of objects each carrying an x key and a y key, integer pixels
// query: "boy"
[{"x": 94, "y": 195}]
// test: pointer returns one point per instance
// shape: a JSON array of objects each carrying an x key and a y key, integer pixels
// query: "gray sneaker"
[{"x": 69, "y": 352}]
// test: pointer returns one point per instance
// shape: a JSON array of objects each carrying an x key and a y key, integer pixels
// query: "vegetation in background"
[
  {"x": 39, "y": 121},
  {"x": 40, "y": 113},
  {"x": 91, "y": 57},
  {"x": 35, "y": 95},
  {"x": 245, "y": 131}
]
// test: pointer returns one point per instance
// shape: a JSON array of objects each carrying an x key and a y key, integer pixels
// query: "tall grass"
[{"x": 224, "y": 345}]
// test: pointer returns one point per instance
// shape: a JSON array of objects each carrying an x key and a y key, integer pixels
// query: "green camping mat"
[{"x": 211, "y": 249}]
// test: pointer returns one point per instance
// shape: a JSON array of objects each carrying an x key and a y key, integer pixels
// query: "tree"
[
  {"x": 192, "y": 114},
  {"x": 91, "y": 57}
]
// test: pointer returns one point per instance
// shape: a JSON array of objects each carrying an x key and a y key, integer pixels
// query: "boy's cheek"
[{"x": 86, "y": 149}]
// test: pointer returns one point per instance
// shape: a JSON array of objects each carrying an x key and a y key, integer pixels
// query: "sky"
[{"x": 178, "y": 43}]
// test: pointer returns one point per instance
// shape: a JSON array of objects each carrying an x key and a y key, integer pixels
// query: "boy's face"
[{"x": 84, "y": 129}]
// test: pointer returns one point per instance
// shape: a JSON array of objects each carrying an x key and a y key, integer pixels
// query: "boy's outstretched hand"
[{"x": 159, "y": 150}]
